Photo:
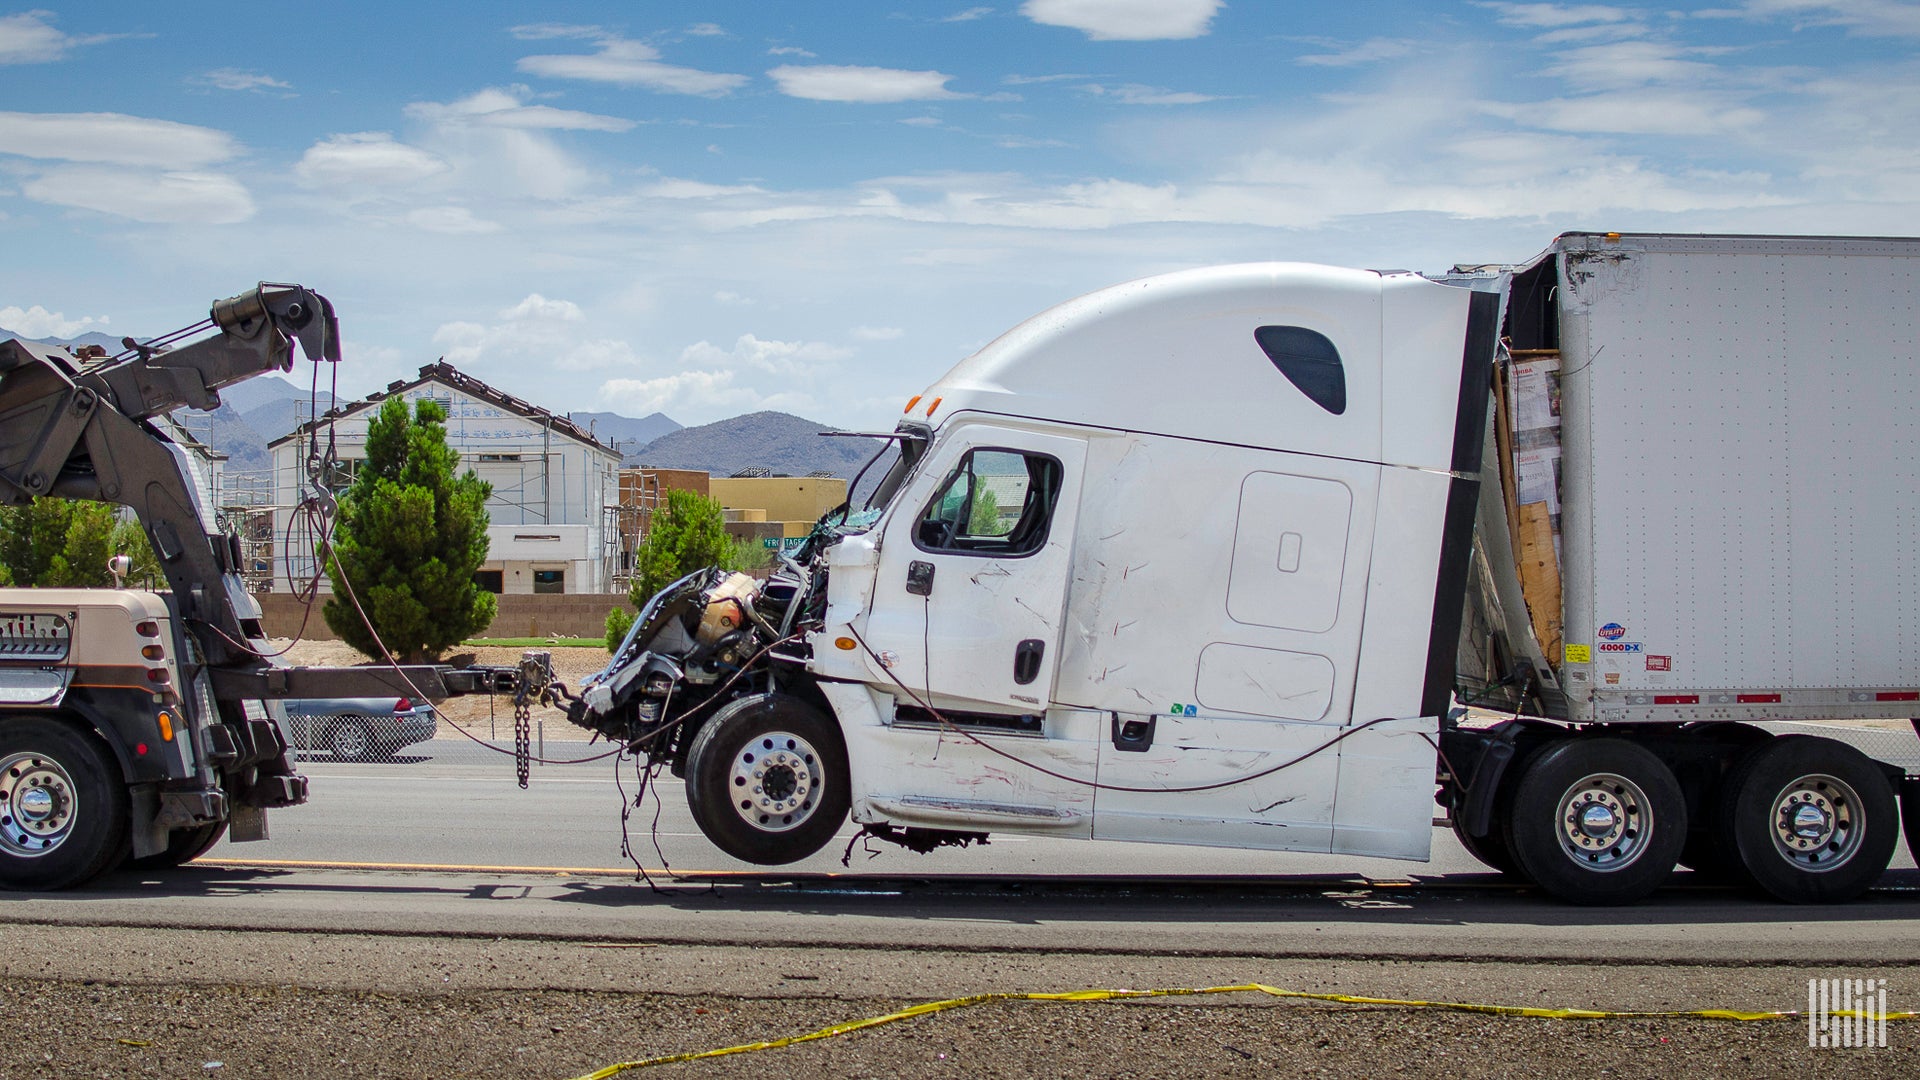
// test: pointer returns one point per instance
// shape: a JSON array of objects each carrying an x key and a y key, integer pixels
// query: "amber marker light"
[
  {"x": 153, "y": 652},
  {"x": 912, "y": 403},
  {"x": 845, "y": 644},
  {"x": 935, "y": 405},
  {"x": 166, "y": 726}
]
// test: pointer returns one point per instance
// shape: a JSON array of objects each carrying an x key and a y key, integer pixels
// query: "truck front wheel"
[
  {"x": 1597, "y": 821},
  {"x": 767, "y": 779},
  {"x": 63, "y": 806},
  {"x": 1812, "y": 820}
]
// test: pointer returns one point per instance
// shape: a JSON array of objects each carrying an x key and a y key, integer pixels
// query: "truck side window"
[
  {"x": 995, "y": 502},
  {"x": 1309, "y": 361}
]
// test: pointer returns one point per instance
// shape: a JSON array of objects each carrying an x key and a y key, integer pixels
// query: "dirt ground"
[{"x": 570, "y": 665}]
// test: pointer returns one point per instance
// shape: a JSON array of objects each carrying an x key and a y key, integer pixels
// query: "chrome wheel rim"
[
  {"x": 775, "y": 781},
  {"x": 1603, "y": 822},
  {"x": 37, "y": 805},
  {"x": 350, "y": 741},
  {"x": 1815, "y": 823}
]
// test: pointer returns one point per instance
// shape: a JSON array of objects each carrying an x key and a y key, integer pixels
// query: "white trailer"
[{"x": 1206, "y": 559}]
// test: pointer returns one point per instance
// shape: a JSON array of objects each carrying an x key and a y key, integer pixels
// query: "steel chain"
[{"x": 522, "y": 737}]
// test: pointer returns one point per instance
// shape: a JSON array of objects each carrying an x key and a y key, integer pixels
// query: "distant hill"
[
  {"x": 624, "y": 433},
  {"x": 779, "y": 442},
  {"x": 105, "y": 341}
]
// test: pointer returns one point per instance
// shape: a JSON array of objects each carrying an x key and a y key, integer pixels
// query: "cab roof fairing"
[{"x": 1176, "y": 355}]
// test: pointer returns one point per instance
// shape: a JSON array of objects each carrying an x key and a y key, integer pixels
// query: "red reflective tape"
[
  {"x": 1676, "y": 699},
  {"x": 1758, "y": 699},
  {"x": 1897, "y": 695}
]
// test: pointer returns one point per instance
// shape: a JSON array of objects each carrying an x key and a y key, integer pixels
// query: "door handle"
[
  {"x": 1134, "y": 736},
  {"x": 1026, "y": 660}
]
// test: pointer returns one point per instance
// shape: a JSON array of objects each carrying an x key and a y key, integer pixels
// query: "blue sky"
[{"x": 709, "y": 208}]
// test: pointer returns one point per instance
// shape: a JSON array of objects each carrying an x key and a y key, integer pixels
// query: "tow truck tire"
[
  {"x": 1489, "y": 849},
  {"x": 1597, "y": 821},
  {"x": 767, "y": 779},
  {"x": 1813, "y": 820},
  {"x": 63, "y": 806},
  {"x": 183, "y": 846}
]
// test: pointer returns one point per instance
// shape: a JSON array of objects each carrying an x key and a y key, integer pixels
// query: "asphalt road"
[{"x": 444, "y": 840}]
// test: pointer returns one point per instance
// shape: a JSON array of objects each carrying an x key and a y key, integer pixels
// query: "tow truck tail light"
[
  {"x": 402, "y": 705},
  {"x": 153, "y": 652},
  {"x": 147, "y": 629},
  {"x": 157, "y": 675}
]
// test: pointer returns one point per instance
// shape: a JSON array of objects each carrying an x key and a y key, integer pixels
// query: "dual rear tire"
[{"x": 1603, "y": 821}]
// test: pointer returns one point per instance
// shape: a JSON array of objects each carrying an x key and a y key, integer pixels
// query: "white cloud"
[
  {"x": 669, "y": 188},
  {"x": 113, "y": 138},
  {"x": 732, "y": 299},
  {"x": 773, "y": 357},
  {"x": 631, "y": 63},
  {"x": 1126, "y": 20},
  {"x": 864, "y": 85},
  {"x": 551, "y": 31},
  {"x": 791, "y": 50},
  {"x": 969, "y": 15},
  {"x": 29, "y": 38},
  {"x": 38, "y": 322},
  {"x": 1638, "y": 113},
  {"x": 697, "y": 397},
  {"x": 1367, "y": 52},
  {"x": 878, "y": 333},
  {"x": 235, "y": 79},
  {"x": 536, "y": 334},
  {"x": 168, "y": 198},
  {"x": 1135, "y": 94},
  {"x": 1553, "y": 16},
  {"x": 450, "y": 221},
  {"x": 366, "y": 159},
  {"x": 1630, "y": 63},
  {"x": 1867, "y": 18},
  {"x": 495, "y": 107},
  {"x": 707, "y": 29}
]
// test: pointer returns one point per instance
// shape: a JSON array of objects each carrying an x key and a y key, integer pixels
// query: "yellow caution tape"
[{"x": 931, "y": 1007}]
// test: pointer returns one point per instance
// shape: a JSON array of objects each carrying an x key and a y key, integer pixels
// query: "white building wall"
[{"x": 546, "y": 510}]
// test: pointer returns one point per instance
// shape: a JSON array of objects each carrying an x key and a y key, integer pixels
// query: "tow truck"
[{"x": 134, "y": 723}]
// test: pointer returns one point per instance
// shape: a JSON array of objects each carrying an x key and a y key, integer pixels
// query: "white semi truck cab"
[{"x": 1215, "y": 558}]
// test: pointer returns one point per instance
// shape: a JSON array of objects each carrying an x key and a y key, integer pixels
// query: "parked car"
[{"x": 357, "y": 729}]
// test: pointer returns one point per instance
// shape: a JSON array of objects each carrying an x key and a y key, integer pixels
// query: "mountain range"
[{"x": 256, "y": 412}]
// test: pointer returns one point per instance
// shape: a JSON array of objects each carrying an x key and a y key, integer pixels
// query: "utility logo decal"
[{"x": 1613, "y": 631}]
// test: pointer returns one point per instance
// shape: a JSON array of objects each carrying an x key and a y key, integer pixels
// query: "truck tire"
[
  {"x": 1489, "y": 849},
  {"x": 1813, "y": 820},
  {"x": 767, "y": 779},
  {"x": 1597, "y": 821},
  {"x": 183, "y": 846},
  {"x": 63, "y": 806}
]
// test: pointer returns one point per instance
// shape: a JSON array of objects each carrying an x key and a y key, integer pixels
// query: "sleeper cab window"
[
  {"x": 1309, "y": 361},
  {"x": 996, "y": 503}
]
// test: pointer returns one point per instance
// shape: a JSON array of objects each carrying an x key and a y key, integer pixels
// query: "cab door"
[{"x": 971, "y": 588}]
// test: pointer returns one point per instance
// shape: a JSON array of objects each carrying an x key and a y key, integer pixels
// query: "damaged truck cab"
[{"x": 1179, "y": 561}]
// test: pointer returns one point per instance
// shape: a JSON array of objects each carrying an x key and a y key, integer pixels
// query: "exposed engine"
[{"x": 713, "y": 635}]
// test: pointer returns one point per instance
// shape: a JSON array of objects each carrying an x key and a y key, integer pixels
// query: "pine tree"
[
  {"x": 688, "y": 533},
  {"x": 65, "y": 543},
  {"x": 408, "y": 538}
]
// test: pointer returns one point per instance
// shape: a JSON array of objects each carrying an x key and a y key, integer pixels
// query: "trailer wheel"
[
  {"x": 1597, "y": 821},
  {"x": 63, "y": 806},
  {"x": 767, "y": 779},
  {"x": 183, "y": 846},
  {"x": 1813, "y": 820}
]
